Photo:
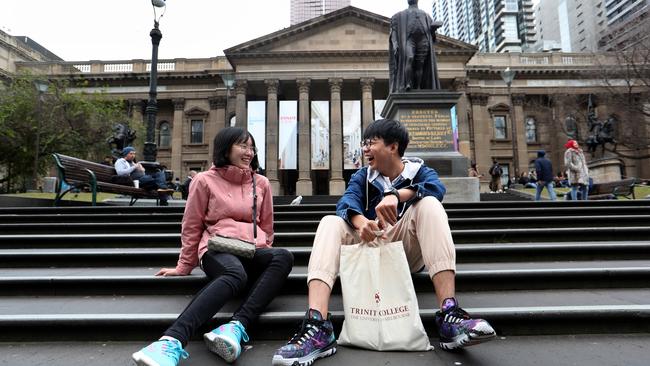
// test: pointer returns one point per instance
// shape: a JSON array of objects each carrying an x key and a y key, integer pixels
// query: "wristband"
[{"x": 394, "y": 192}]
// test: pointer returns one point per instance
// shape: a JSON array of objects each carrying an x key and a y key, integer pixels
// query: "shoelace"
[
  {"x": 239, "y": 331},
  {"x": 307, "y": 330},
  {"x": 456, "y": 316},
  {"x": 174, "y": 350}
]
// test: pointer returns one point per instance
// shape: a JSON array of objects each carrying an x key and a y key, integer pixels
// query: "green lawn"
[{"x": 640, "y": 192}]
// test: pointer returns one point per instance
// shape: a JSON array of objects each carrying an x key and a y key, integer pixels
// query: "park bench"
[
  {"x": 612, "y": 190},
  {"x": 80, "y": 174}
]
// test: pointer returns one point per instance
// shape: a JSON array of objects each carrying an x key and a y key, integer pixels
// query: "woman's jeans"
[
  {"x": 261, "y": 277},
  {"x": 583, "y": 192}
]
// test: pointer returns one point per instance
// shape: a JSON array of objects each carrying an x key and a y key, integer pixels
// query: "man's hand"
[
  {"x": 168, "y": 272},
  {"x": 387, "y": 211},
  {"x": 368, "y": 231},
  {"x": 139, "y": 167}
]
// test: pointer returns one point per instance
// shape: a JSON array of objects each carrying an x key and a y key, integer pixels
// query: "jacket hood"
[{"x": 411, "y": 167}]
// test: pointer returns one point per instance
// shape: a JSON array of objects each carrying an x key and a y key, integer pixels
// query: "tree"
[
  {"x": 72, "y": 123},
  {"x": 625, "y": 73}
]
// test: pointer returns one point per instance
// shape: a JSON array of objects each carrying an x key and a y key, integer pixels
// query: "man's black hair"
[
  {"x": 223, "y": 143},
  {"x": 390, "y": 131}
]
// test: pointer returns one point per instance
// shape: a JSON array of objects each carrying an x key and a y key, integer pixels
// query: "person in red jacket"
[{"x": 217, "y": 204}]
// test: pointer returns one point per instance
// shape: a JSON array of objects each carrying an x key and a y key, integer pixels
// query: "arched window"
[
  {"x": 164, "y": 137},
  {"x": 531, "y": 130}
]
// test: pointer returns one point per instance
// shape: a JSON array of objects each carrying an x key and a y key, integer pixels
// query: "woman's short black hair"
[
  {"x": 223, "y": 143},
  {"x": 390, "y": 131}
]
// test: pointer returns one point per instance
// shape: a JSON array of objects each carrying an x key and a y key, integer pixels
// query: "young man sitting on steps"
[{"x": 398, "y": 199}]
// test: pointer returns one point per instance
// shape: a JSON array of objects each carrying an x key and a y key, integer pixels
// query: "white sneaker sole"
[
  {"x": 305, "y": 360},
  {"x": 222, "y": 346},
  {"x": 141, "y": 359},
  {"x": 463, "y": 340}
]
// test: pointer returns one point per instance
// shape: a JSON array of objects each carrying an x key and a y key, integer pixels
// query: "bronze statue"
[
  {"x": 122, "y": 137},
  {"x": 601, "y": 133},
  {"x": 412, "y": 58}
]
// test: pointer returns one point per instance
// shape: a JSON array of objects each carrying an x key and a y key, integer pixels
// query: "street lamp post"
[
  {"x": 41, "y": 87},
  {"x": 150, "y": 148},
  {"x": 508, "y": 76},
  {"x": 228, "y": 81}
]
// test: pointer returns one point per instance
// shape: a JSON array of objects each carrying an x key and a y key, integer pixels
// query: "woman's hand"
[{"x": 168, "y": 272}]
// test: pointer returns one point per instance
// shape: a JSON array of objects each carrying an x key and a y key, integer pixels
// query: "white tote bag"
[{"x": 381, "y": 309}]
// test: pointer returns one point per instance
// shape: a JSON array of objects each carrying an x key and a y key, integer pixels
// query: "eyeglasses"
[
  {"x": 245, "y": 147},
  {"x": 368, "y": 143}
]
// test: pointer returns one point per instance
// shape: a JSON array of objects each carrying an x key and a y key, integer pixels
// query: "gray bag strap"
[{"x": 254, "y": 209}]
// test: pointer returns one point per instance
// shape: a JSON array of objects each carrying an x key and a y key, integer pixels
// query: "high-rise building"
[
  {"x": 628, "y": 22},
  {"x": 302, "y": 10},
  {"x": 570, "y": 25},
  {"x": 492, "y": 25}
]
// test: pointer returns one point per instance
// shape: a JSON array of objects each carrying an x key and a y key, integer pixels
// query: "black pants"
[{"x": 262, "y": 276}]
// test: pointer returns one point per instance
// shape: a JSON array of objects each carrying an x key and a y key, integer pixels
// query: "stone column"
[
  {"x": 216, "y": 122},
  {"x": 272, "y": 134},
  {"x": 241, "y": 108},
  {"x": 366, "y": 102},
  {"x": 177, "y": 137},
  {"x": 303, "y": 185},
  {"x": 518, "y": 119},
  {"x": 337, "y": 184},
  {"x": 482, "y": 127},
  {"x": 460, "y": 85}
]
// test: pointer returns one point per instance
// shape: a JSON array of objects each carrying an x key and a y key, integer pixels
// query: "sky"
[{"x": 83, "y": 30}]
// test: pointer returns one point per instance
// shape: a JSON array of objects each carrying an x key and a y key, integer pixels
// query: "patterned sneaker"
[
  {"x": 225, "y": 340},
  {"x": 164, "y": 352},
  {"x": 314, "y": 340},
  {"x": 457, "y": 329}
]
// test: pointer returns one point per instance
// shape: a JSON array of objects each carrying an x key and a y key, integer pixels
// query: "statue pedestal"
[
  {"x": 606, "y": 170},
  {"x": 428, "y": 119},
  {"x": 433, "y": 134}
]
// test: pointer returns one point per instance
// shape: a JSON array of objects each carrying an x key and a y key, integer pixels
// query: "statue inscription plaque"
[{"x": 429, "y": 129}]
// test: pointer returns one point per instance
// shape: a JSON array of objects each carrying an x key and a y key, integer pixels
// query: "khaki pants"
[{"x": 423, "y": 230}]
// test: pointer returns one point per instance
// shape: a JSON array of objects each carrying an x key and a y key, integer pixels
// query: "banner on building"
[
  {"x": 351, "y": 134},
  {"x": 320, "y": 135},
  {"x": 288, "y": 135},
  {"x": 257, "y": 128}
]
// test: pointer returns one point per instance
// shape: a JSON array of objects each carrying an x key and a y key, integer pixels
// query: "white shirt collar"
[{"x": 411, "y": 167}]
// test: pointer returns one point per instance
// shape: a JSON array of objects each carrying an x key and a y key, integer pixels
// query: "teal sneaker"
[
  {"x": 226, "y": 340},
  {"x": 164, "y": 352}
]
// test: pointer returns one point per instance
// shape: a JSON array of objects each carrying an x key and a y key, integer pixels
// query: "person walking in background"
[
  {"x": 185, "y": 187},
  {"x": 220, "y": 202},
  {"x": 544, "y": 173},
  {"x": 577, "y": 171},
  {"x": 495, "y": 172}
]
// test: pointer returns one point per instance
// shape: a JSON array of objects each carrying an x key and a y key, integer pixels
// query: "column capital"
[
  {"x": 272, "y": 86},
  {"x": 518, "y": 99},
  {"x": 303, "y": 85},
  {"x": 367, "y": 84},
  {"x": 479, "y": 99},
  {"x": 241, "y": 86},
  {"x": 217, "y": 102},
  {"x": 335, "y": 85},
  {"x": 179, "y": 104}
]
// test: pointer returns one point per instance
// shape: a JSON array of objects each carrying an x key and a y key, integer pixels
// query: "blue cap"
[
  {"x": 127, "y": 150},
  {"x": 541, "y": 153}
]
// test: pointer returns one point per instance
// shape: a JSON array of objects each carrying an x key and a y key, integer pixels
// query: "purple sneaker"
[
  {"x": 457, "y": 329},
  {"x": 314, "y": 340}
]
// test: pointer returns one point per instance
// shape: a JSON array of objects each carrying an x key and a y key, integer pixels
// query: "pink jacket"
[{"x": 221, "y": 201}]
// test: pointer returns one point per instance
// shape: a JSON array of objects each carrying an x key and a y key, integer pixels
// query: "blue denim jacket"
[{"x": 364, "y": 194}]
